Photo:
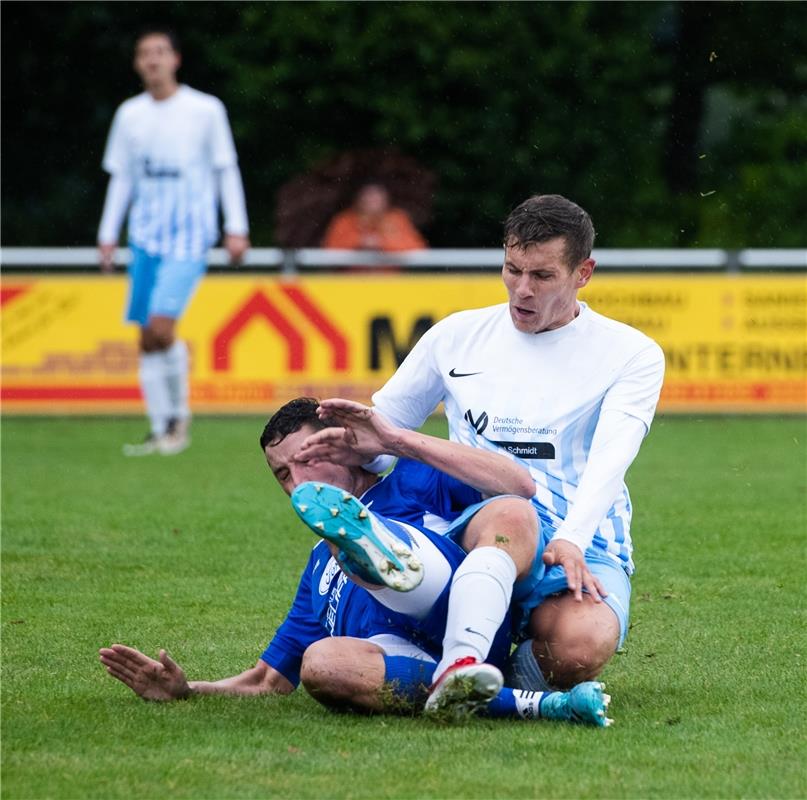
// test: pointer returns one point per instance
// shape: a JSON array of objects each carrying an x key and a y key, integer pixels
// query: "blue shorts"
[
  {"x": 160, "y": 286},
  {"x": 532, "y": 590}
]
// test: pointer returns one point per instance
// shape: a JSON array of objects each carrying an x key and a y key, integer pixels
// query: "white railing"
[{"x": 291, "y": 261}]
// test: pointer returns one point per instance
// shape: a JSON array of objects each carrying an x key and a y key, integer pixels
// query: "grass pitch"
[{"x": 200, "y": 553}]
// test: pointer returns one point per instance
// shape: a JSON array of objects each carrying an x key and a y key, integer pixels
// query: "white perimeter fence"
[{"x": 290, "y": 262}]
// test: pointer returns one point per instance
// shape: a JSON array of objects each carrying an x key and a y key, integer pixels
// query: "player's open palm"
[
  {"x": 369, "y": 433},
  {"x": 159, "y": 680},
  {"x": 335, "y": 445}
]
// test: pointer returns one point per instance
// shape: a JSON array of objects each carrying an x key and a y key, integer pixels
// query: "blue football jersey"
[
  {"x": 327, "y": 603},
  {"x": 420, "y": 495}
]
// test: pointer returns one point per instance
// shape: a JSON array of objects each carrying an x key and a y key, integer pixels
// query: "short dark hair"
[
  {"x": 158, "y": 30},
  {"x": 289, "y": 418},
  {"x": 546, "y": 216}
]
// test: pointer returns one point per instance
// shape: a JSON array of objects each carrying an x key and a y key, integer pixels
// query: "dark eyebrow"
[{"x": 534, "y": 270}]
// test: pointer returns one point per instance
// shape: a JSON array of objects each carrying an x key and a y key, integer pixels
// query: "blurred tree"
[{"x": 670, "y": 122}]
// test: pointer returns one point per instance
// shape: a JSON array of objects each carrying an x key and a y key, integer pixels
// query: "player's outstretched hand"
[
  {"x": 578, "y": 576},
  {"x": 374, "y": 434},
  {"x": 106, "y": 256},
  {"x": 363, "y": 435},
  {"x": 331, "y": 444},
  {"x": 236, "y": 247},
  {"x": 161, "y": 680}
]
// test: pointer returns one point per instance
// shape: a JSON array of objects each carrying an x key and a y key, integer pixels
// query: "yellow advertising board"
[{"x": 733, "y": 342}]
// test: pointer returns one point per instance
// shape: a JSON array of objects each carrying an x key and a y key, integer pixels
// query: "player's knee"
[
  {"x": 154, "y": 340},
  {"x": 314, "y": 671},
  {"x": 162, "y": 339},
  {"x": 576, "y": 654},
  {"x": 565, "y": 664},
  {"x": 509, "y": 523},
  {"x": 573, "y": 641},
  {"x": 326, "y": 678},
  {"x": 159, "y": 332},
  {"x": 147, "y": 342}
]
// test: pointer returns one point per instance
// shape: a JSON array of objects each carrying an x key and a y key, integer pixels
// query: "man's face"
[
  {"x": 542, "y": 289},
  {"x": 373, "y": 201},
  {"x": 290, "y": 473},
  {"x": 155, "y": 60}
]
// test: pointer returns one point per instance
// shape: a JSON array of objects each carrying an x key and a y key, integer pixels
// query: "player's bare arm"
[
  {"x": 163, "y": 680},
  {"x": 369, "y": 434}
]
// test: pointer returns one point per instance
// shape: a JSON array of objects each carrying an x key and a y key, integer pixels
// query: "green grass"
[{"x": 200, "y": 553}]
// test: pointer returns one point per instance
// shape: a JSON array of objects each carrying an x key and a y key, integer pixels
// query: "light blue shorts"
[
  {"x": 160, "y": 286},
  {"x": 532, "y": 590},
  {"x": 458, "y": 526},
  {"x": 529, "y": 593}
]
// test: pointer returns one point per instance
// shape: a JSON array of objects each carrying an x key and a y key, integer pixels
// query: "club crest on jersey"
[
  {"x": 480, "y": 423},
  {"x": 331, "y": 569}
]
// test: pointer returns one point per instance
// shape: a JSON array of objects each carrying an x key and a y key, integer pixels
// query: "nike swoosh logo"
[
  {"x": 477, "y": 633},
  {"x": 454, "y": 374}
]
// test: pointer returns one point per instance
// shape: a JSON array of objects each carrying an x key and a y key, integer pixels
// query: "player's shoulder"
[
  {"x": 398, "y": 481},
  {"x": 473, "y": 318},
  {"x": 412, "y": 474},
  {"x": 133, "y": 105},
  {"x": 200, "y": 99},
  {"x": 619, "y": 332},
  {"x": 321, "y": 566}
]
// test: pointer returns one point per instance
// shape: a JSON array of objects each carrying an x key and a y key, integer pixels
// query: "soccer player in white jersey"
[
  {"x": 568, "y": 393},
  {"x": 170, "y": 156}
]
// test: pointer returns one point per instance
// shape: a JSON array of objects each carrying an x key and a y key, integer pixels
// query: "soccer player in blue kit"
[{"x": 352, "y": 645}]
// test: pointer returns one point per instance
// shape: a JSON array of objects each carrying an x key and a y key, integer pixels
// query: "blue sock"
[
  {"x": 408, "y": 677},
  {"x": 515, "y": 704}
]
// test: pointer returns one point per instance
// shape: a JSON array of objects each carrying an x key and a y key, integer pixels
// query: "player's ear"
[{"x": 584, "y": 272}]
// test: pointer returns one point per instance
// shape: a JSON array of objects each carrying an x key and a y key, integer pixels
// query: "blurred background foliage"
[{"x": 674, "y": 124}]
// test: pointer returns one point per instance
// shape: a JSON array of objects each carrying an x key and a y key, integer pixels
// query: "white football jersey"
[
  {"x": 171, "y": 149},
  {"x": 537, "y": 397}
]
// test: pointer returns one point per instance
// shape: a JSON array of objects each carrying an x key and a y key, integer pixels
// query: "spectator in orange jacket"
[{"x": 372, "y": 224}]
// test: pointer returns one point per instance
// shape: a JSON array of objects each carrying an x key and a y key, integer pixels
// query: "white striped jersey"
[
  {"x": 537, "y": 397},
  {"x": 171, "y": 150}
]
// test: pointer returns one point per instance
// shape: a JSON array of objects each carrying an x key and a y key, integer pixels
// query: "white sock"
[
  {"x": 480, "y": 597},
  {"x": 175, "y": 365},
  {"x": 155, "y": 391},
  {"x": 436, "y": 576}
]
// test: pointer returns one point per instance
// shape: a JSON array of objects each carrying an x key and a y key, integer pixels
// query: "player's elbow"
[
  {"x": 267, "y": 680},
  {"x": 522, "y": 484}
]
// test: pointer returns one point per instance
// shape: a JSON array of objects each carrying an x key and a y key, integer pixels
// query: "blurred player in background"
[{"x": 170, "y": 156}]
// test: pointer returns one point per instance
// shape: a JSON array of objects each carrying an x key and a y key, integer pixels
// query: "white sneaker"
[
  {"x": 368, "y": 546},
  {"x": 466, "y": 686},
  {"x": 147, "y": 447},
  {"x": 176, "y": 438}
]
